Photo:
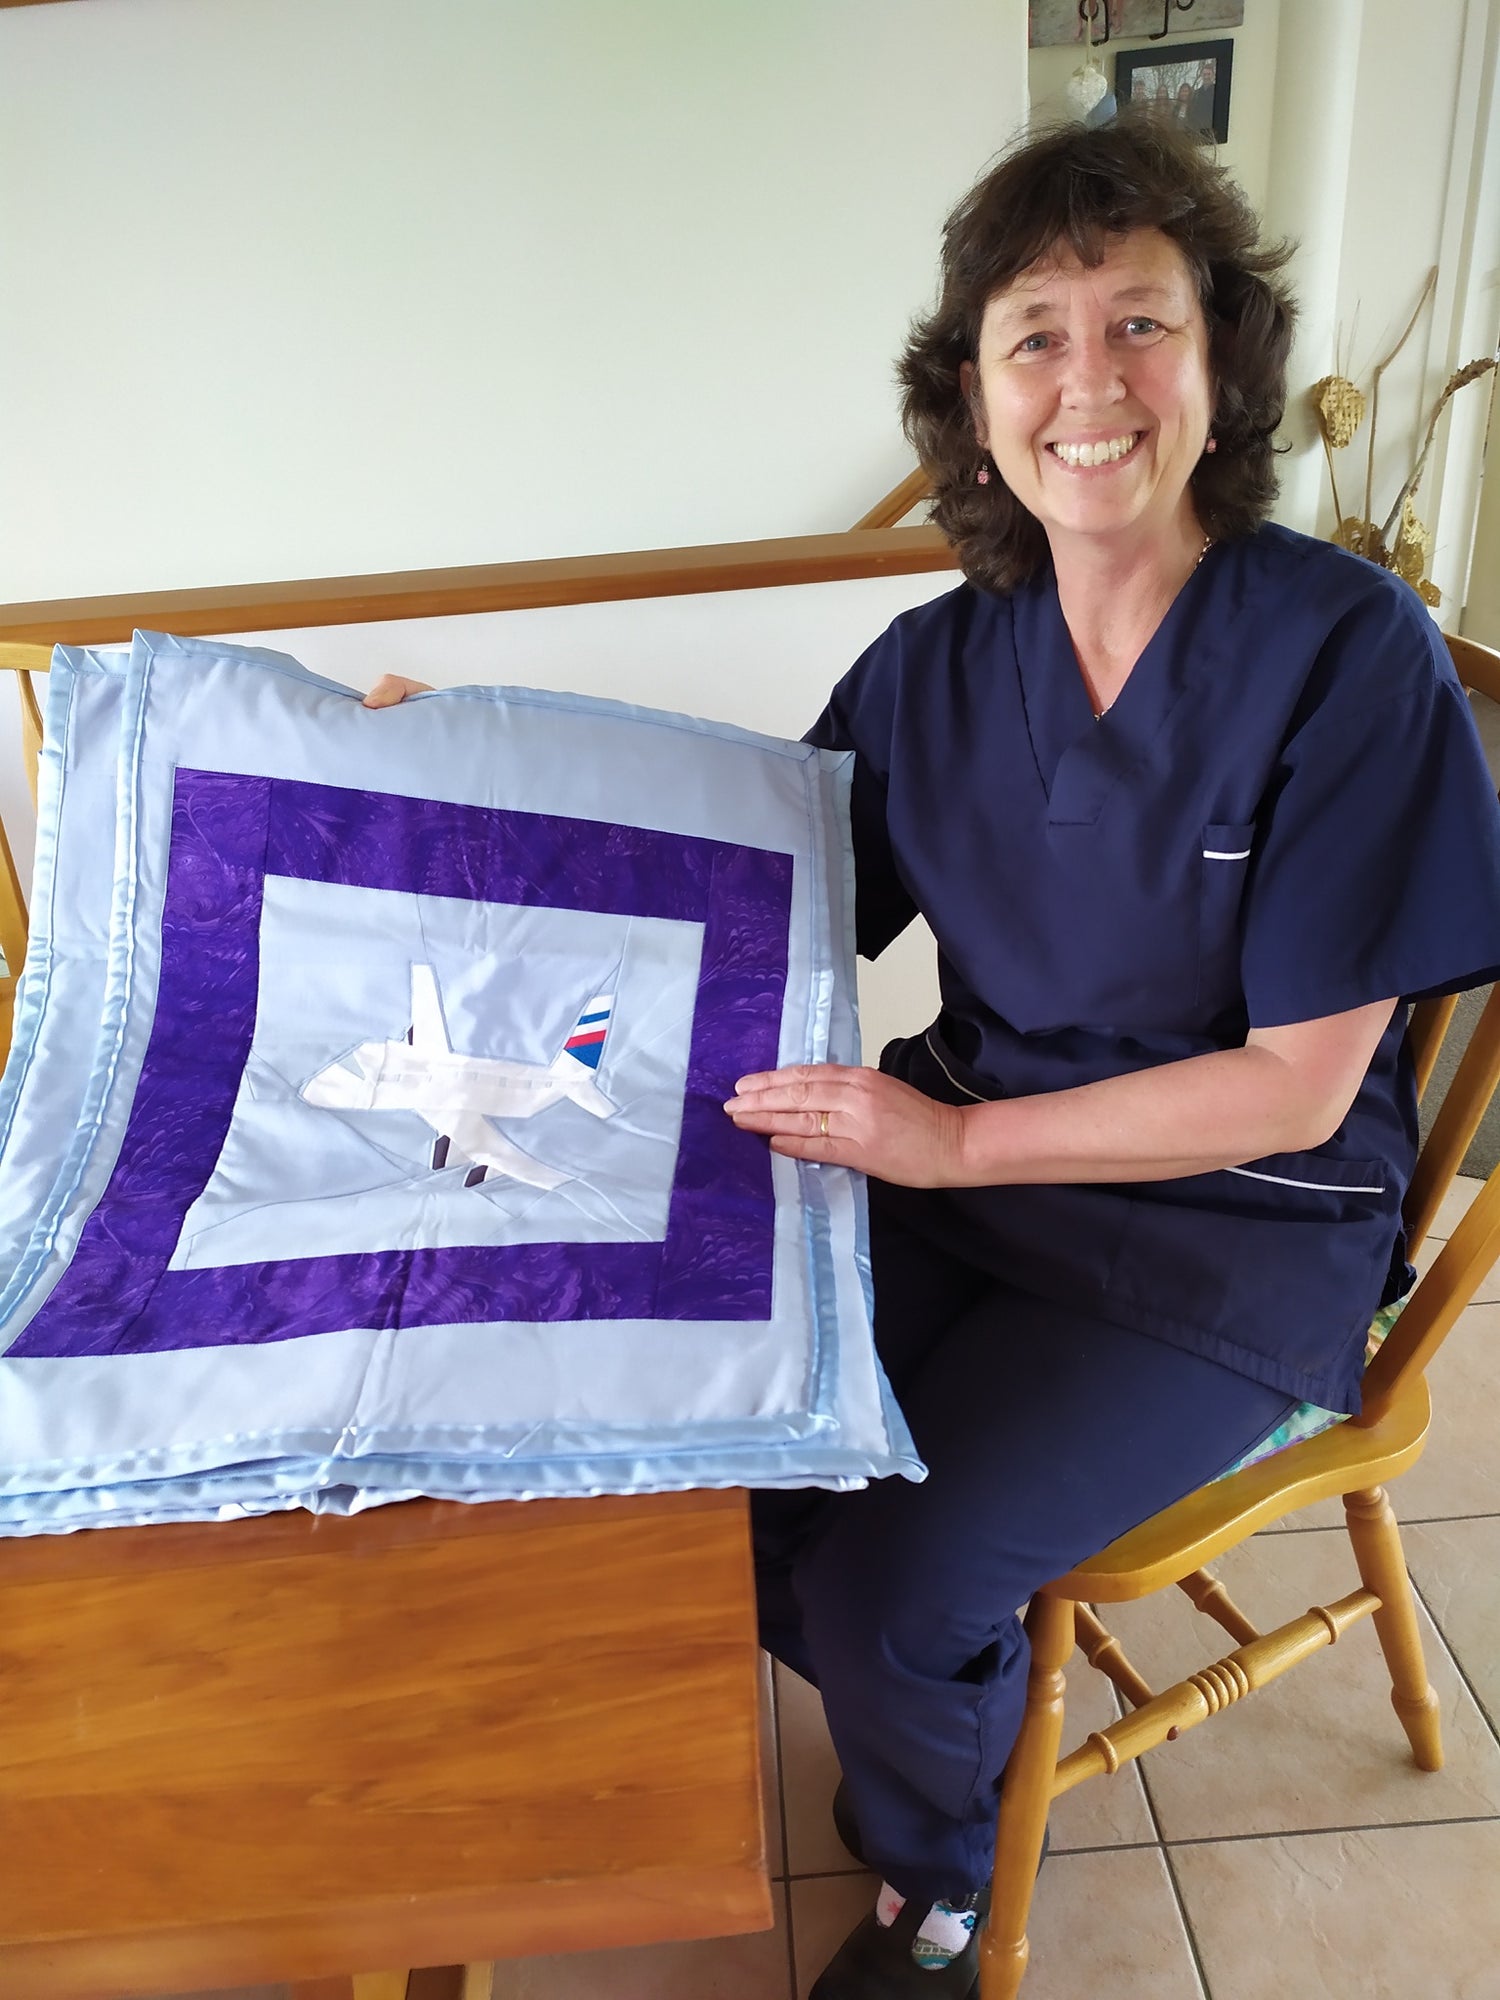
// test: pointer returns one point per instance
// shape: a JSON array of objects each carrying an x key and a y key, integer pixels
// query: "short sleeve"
[
  {"x": 1376, "y": 864},
  {"x": 859, "y": 718}
]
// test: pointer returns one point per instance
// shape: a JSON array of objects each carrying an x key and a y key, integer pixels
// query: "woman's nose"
[{"x": 1092, "y": 374}]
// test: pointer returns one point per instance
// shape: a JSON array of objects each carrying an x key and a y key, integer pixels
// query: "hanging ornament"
[{"x": 1088, "y": 83}]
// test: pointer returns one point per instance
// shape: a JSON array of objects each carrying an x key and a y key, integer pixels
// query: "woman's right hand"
[{"x": 393, "y": 688}]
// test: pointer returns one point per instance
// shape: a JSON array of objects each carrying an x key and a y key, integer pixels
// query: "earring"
[
  {"x": 1212, "y": 445},
  {"x": 982, "y": 476}
]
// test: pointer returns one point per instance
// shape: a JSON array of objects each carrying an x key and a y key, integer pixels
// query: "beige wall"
[
  {"x": 306, "y": 287},
  {"x": 1409, "y": 207}
]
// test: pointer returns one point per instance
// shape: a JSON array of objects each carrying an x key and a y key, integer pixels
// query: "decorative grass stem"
[
  {"x": 1380, "y": 368},
  {"x": 1461, "y": 377}
]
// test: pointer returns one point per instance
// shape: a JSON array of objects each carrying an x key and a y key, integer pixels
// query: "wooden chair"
[
  {"x": 23, "y": 661},
  {"x": 1353, "y": 1460}
]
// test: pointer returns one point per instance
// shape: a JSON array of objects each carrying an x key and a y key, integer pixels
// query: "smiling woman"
[
  {"x": 1188, "y": 801},
  {"x": 1019, "y": 247}
]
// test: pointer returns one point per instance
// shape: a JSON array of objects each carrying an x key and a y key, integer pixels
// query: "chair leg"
[
  {"x": 1382, "y": 1568},
  {"x": 1025, "y": 1799}
]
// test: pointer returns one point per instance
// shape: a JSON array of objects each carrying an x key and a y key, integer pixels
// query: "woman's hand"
[
  {"x": 854, "y": 1118},
  {"x": 391, "y": 688}
]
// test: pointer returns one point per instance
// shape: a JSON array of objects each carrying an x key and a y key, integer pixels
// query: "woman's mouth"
[{"x": 1098, "y": 451}]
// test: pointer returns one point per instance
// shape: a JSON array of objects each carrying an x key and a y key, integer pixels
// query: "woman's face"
[{"x": 1093, "y": 393}]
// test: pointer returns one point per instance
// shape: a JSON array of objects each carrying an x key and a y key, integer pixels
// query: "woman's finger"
[
  {"x": 796, "y": 1074},
  {"x": 393, "y": 688},
  {"x": 776, "y": 1097}
]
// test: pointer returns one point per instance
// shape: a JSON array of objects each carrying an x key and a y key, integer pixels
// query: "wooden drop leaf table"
[{"x": 301, "y": 1748}]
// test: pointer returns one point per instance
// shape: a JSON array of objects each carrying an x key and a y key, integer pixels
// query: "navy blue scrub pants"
[{"x": 1047, "y": 1433}]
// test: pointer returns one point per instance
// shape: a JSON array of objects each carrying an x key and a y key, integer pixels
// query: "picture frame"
[{"x": 1187, "y": 81}]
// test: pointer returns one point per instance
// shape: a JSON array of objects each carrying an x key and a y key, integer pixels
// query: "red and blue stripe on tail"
[{"x": 586, "y": 1042}]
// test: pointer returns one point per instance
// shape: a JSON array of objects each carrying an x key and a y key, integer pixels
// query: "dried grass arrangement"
[{"x": 1401, "y": 542}]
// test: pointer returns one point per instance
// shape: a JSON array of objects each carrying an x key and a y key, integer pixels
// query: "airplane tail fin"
[
  {"x": 585, "y": 1043},
  {"x": 428, "y": 1029}
]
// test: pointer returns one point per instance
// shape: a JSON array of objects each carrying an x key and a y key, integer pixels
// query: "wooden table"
[{"x": 298, "y": 1747}]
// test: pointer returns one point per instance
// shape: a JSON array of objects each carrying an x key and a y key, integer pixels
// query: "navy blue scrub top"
[{"x": 1286, "y": 814}]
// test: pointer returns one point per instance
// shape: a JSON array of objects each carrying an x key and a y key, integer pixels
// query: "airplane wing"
[
  {"x": 427, "y": 1028},
  {"x": 587, "y": 1095},
  {"x": 473, "y": 1137}
]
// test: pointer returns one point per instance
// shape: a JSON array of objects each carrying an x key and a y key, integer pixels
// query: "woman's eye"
[
  {"x": 1142, "y": 325},
  {"x": 1034, "y": 343}
]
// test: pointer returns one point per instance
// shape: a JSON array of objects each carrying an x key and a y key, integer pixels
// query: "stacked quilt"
[{"x": 362, "y": 1135}]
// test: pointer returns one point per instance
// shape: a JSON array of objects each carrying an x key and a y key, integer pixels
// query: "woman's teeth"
[{"x": 1105, "y": 452}]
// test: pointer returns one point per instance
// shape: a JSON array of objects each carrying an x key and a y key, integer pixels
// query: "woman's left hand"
[{"x": 854, "y": 1118}]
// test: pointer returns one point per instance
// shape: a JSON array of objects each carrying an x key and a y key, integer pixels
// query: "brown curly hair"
[{"x": 1081, "y": 186}]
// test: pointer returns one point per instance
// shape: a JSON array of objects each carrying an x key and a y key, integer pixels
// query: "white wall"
[
  {"x": 303, "y": 287},
  {"x": 293, "y": 288}
]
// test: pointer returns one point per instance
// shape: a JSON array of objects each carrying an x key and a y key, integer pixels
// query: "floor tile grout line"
[
  {"x": 1313, "y": 1832},
  {"x": 1412, "y": 1521},
  {"x": 1054, "y": 1853},
  {"x": 1490, "y": 1722},
  {"x": 1177, "y": 1896},
  {"x": 785, "y": 1877}
]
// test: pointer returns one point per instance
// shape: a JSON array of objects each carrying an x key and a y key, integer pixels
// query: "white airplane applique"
[{"x": 458, "y": 1095}]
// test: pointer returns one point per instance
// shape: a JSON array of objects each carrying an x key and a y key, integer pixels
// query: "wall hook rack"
[{"x": 1182, "y": 7}]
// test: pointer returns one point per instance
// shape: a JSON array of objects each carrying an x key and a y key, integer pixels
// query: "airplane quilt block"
[{"x": 363, "y": 1133}]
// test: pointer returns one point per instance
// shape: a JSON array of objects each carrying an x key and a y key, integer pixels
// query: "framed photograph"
[{"x": 1186, "y": 81}]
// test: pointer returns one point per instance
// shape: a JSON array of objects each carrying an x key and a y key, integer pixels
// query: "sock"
[
  {"x": 888, "y": 1906},
  {"x": 944, "y": 1933}
]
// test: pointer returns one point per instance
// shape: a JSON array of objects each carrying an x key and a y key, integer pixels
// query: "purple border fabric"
[{"x": 228, "y": 833}]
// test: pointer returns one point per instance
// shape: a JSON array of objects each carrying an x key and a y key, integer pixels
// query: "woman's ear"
[{"x": 968, "y": 387}]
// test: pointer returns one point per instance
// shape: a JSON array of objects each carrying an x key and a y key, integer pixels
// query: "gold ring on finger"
[{"x": 823, "y": 1123}]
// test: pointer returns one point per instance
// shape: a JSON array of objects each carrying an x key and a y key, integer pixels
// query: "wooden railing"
[
  {"x": 899, "y": 502},
  {"x": 874, "y": 548}
]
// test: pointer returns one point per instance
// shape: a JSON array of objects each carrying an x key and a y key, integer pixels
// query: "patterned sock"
[
  {"x": 945, "y": 1932},
  {"x": 888, "y": 1906}
]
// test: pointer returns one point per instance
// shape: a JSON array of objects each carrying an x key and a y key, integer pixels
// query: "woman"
[{"x": 1191, "y": 803}]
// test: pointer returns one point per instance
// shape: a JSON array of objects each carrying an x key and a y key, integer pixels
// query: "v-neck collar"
[{"x": 1080, "y": 758}]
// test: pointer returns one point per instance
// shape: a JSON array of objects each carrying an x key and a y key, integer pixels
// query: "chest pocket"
[{"x": 1226, "y": 860}]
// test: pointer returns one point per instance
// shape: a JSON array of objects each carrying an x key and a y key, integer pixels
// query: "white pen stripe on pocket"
[
  {"x": 927, "y": 1038},
  {"x": 1318, "y": 1187},
  {"x": 1223, "y": 854}
]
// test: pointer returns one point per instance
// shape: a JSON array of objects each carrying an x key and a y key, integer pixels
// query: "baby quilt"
[{"x": 362, "y": 1135}]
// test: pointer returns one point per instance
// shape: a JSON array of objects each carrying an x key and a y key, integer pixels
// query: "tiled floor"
[{"x": 1291, "y": 1851}]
